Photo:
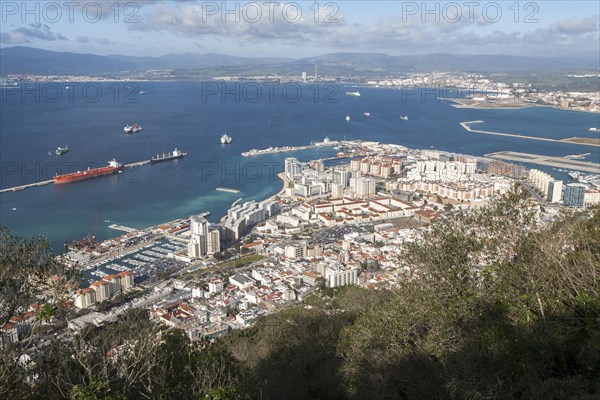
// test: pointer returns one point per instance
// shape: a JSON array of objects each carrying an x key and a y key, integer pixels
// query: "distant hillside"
[
  {"x": 17, "y": 60},
  {"x": 440, "y": 62},
  {"x": 21, "y": 60}
]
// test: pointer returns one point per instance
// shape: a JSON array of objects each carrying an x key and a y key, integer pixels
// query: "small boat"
[
  {"x": 367, "y": 114},
  {"x": 143, "y": 92},
  {"x": 404, "y": 117},
  {"x": 61, "y": 150},
  {"x": 226, "y": 139},
  {"x": 347, "y": 118},
  {"x": 135, "y": 128},
  {"x": 353, "y": 94},
  {"x": 594, "y": 130},
  {"x": 14, "y": 208}
]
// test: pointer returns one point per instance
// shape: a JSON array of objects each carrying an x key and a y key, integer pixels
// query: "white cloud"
[
  {"x": 392, "y": 33},
  {"x": 575, "y": 26},
  {"x": 36, "y": 31},
  {"x": 13, "y": 38}
]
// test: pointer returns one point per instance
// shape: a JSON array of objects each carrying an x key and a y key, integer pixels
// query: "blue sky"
[{"x": 303, "y": 29}]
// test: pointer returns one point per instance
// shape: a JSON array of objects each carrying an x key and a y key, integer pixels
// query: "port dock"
[
  {"x": 574, "y": 140},
  {"x": 559, "y": 162},
  {"x": 287, "y": 149},
  {"x": 137, "y": 164},
  {"x": 49, "y": 181},
  {"x": 29, "y": 185},
  {"x": 122, "y": 228},
  {"x": 222, "y": 189}
]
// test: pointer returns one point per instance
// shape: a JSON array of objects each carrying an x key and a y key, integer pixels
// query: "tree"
[
  {"x": 500, "y": 307},
  {"x": 29, "y": 273}
]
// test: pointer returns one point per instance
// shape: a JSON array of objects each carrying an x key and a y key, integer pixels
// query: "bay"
[{"x": 192, "y": 116}]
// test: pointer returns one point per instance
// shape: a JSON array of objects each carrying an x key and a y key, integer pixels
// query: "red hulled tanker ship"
[{"x": 112, "y": 167}]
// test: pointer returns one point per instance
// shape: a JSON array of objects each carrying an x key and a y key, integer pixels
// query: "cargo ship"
[
  {"x": 167, "y": 156},
  {"x": 112, "y": 167}
]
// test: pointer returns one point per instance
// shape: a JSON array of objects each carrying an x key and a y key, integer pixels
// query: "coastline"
[
  {"x": 482, "y": 105},
  {"x": 43, "y": 210},
  {"x": 467, "y": 126},
  {"x": 515, "y": 106},
  {"x": 285, "y": 181}
]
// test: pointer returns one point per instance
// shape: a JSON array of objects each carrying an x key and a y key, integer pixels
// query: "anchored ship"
[
  {"x": 135, "y": 128},
  {"x": 112, "y": 167},
  {"x": 167, "y": 156},
  {"x": 61, "y": 150},
  {"x": 226, "y": 139}
]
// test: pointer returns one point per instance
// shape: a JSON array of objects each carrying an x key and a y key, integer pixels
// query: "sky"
[{"x": 304, "y": 28}]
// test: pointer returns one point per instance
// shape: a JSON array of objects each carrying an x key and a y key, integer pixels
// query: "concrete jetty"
[
  {"x": 49, "y": 181},
  {"x": 122, "y": 228},
  {"x": 286, "y": 149},
  {"x": 29, "y": 185},
  {"x": 467, "y": 127},
  {"x": 559, "y": 162},
  {"x": 228, "y": 190}
]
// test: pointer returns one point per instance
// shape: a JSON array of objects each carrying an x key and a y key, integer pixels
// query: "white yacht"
[{"x": 226, "y": 139}]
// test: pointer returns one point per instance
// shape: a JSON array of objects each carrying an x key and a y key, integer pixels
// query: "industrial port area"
[{"x": 91, "y": 173}]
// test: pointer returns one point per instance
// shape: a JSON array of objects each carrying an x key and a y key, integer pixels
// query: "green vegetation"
[
  {"x": 29, "y": 272},
  {"x": 552, "y": 80},
  {"x": 224, "y": 267},
  {"x": 497, "y": 307},
  {"x": 240, "y": 262}
]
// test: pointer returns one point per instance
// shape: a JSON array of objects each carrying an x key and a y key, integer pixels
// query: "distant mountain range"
[{"x": 28, "y": 60}]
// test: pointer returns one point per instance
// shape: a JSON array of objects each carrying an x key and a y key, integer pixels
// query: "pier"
[
  {"x": 122, "y": 228},
  {"x": 222, "y": 189},
  {"x": 29, "y": 185},
  {"x": 286, "y": 149},
  {"x": 49, "y": 181},
  {"x": 573, "y": 140},
  {"x": 559, "y": 162},
  {"x": 137, "y": 164}
]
